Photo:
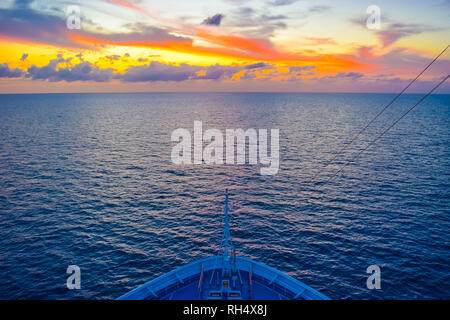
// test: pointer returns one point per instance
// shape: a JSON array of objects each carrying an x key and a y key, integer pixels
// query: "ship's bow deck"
[{"x": 207, "y": 279}]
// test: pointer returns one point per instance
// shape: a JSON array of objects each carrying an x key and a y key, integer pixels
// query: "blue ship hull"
[{"x": 203, "y": 280}]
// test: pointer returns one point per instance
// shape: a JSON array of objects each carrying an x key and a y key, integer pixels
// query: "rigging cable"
[
  {"x": 346, "y": 145},
  {"x": 385, "y": 131}
]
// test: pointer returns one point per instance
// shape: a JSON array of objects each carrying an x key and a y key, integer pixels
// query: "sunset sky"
[{"x": 221, "y": 45}]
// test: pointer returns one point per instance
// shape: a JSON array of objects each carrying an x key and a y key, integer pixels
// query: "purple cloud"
[
  {"x": 396, "y": 31},
  {"x": 344, "y": 75},
  {"x": 84, "y": 71},
  {"x": 6, "y": 72},
  {"x": 301, "y": 68},
  {"x": 156, "y": 71},
  {"x": 22, "y": 22}
]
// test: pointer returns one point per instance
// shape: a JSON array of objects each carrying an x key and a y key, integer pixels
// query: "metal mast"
[
  {"x": 226, "y": 240},
  {"x": 226, "y": 245}
]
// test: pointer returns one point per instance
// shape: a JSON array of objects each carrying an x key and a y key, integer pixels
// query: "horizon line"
[{"x": 202, "y": 92}]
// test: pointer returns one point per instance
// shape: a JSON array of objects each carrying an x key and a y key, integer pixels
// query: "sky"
[{"x": 222, "y": 45}]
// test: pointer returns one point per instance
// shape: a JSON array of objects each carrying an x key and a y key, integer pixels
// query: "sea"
[{"x": 88, "y": 180}]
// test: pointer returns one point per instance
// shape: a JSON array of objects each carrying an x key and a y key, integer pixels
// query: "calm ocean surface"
[{"x": 87, "y": 179}]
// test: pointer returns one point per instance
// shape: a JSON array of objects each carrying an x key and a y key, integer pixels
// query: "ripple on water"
[{"x": 93, "y": 185}]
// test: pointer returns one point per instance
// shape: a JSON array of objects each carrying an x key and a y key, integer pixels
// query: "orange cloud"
[
  {"x": 126, "y": 4},
  {"x": 233, "y": 47}
]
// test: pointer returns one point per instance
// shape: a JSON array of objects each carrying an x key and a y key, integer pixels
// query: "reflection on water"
[{"x": 87, "y": 179}]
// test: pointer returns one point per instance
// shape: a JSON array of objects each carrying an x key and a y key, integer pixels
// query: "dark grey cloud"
[
  {"x": 113, "y": 57},
  {"x": 255, "y": 24},
  {"x": 80, "y": 56},
  {"x": 279, "y": 3},
  {"x": 215, "y": 20},
  {"x": 256, "y": 65},
  {"x": 7, "y": 72}
]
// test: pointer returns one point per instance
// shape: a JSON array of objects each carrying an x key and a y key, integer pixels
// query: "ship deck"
[{"x": 206, "y": 279}]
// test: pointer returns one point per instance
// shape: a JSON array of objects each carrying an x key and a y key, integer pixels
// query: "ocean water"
[{"x": 87, "y": 179}]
